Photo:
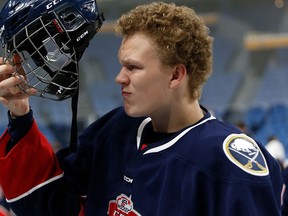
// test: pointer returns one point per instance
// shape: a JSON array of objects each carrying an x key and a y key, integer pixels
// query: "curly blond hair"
[{"x": 180, "y": 35}]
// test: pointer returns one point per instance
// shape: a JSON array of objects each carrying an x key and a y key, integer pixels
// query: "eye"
[{"x": 132, "y": 67}]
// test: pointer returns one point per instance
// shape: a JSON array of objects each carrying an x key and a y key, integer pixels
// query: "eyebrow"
[{"x": 128, "y": 60}]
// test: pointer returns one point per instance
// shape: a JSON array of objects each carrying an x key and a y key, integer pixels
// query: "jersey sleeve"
[
  {"x": 32, "y": 179},
  {"x": 226, "y": 197},
  {"x": 33, "y": 161}
]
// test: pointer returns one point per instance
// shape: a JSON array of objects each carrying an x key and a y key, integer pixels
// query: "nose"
[{"x": 122, "y": 78}]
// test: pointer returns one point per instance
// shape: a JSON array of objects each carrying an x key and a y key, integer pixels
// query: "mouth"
[{"x": 125, "y": 93}]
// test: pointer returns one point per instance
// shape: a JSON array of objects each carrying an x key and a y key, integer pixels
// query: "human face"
[{"x": 143, "y": 78}]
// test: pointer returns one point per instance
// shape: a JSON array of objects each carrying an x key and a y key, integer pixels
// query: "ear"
[{"x": 179, "y": 73}]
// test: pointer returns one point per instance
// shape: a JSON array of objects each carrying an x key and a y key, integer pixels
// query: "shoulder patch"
[{"x": 244, "y": 152}]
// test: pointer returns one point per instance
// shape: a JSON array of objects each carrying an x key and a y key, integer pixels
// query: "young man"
[{"x": 162, "y": 153}]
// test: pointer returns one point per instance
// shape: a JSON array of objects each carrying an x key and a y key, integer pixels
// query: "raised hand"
[{"x": 11, "y": 95}]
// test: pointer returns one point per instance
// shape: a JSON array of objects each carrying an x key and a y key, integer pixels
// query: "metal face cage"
[{"x": 43, "y": 54}]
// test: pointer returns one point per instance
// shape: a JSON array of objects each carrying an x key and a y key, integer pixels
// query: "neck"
[{"x": 175, "y": 120}]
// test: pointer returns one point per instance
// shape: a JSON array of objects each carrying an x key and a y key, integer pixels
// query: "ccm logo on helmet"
[
  {"x": 82, "y": 36},
  {"x": 53, "y": 3}
]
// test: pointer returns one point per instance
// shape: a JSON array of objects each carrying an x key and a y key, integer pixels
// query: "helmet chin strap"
[{"x": 74, "y": 128}]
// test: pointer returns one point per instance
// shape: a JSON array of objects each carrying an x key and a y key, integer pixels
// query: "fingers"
[
  {"x": 14, "y": 91},
  {"x": 2, "y": 61},
  {"x": 16, "y": 58},
  {"x": 12, "y": 97},
  {"x": 6, "y": 69},
  {"x": 17, "y": 63},
  {"x": 9, "y": 86},
  {"x": 19, "y": 95},
  {"x": 9, "y": 79}
]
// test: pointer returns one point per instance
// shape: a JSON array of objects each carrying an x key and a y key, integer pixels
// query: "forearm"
[{"x": 18, "y": 127}]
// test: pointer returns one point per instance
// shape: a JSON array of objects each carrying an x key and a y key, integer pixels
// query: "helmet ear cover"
[{"x": 50, "y": 48}]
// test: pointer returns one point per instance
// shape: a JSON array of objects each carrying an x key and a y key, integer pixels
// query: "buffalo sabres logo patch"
[{"x": 246, "y": 154}]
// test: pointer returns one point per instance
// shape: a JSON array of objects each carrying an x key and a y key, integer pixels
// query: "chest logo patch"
[
  {"x": 244, "y": 152},
  {"x": 122, "y": 206}
]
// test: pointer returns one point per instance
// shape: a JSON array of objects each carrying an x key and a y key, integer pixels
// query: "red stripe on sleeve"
[{"x": 29, "y": 164}]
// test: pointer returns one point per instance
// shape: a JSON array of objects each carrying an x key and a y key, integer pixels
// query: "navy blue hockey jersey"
[{"x": 121, "y": 167}]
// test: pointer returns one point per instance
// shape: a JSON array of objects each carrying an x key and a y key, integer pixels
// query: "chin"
[{"x": 133, "y": 111}]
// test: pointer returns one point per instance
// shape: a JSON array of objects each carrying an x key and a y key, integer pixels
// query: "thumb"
[{"x": 17, "y": 62}]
